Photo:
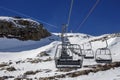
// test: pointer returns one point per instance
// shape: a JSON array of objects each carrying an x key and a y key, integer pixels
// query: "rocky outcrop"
[{"x": 22, "y": 29}]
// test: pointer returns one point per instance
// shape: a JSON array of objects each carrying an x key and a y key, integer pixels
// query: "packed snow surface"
[{"x": 24, "y": 52}]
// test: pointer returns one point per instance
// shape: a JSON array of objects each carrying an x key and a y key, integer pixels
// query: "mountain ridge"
[{"x": 22, "y": 28}]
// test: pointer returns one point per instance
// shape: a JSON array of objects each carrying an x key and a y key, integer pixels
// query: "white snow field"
[{"x": 22, "y": 54}]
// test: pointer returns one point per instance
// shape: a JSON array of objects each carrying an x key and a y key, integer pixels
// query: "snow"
[
  {"x": 112, "y": 74},
  {"x": 13, "y": 50},
  {"x": 15, "y": 45}
]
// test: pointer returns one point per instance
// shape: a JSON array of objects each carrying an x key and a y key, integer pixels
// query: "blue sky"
[{"x": 104, "y": 19}]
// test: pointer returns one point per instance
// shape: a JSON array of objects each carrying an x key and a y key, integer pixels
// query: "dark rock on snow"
[{"x": 22, "y": 29}]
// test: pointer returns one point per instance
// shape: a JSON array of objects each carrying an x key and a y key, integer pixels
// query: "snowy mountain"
[
  {"x": 35, "y": 59},
  {"x": 22, "y": 28}
]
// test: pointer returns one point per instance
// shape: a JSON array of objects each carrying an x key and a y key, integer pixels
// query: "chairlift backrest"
[
  {"x": 76, "y": 48},
  {"x": 89, "y": 51},
  {"x": 103, "y": 51},
  {"x": 67, "y": 59}
]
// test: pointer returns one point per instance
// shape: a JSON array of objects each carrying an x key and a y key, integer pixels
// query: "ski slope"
[{"x": 24, "y": 52}]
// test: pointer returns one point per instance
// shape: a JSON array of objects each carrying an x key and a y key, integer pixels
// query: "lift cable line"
[
  {"x": 16, "y": 12},
  {"x": 89, "y": 13},
  {"x": 70, "y": 11}
]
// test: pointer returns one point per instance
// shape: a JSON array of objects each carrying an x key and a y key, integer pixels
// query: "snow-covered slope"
[
  {"x": 25, "y": 57},
  {"x": 15, "y": 45}
]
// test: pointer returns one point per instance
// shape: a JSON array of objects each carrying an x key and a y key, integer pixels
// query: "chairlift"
[
  {"x": 89, "y": 53},
  {"x": 64, "y": 57},
  {"x": 103, "y": 55}
]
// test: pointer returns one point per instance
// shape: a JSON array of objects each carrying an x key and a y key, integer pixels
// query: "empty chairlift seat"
[
  {"x": 88, "y": 54},
  {"x": 64, "y": 57},
  {"x": 87, "y": 51},
  {"x": 75, "y": 49},
  {"x": 103, "y": 55}
]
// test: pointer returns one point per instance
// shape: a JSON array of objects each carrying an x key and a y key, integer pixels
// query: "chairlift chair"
[
  {"x": 103, "y": 55},
  {"x": 64, "y": 57},
  {"x": 88, "y": 53}
]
